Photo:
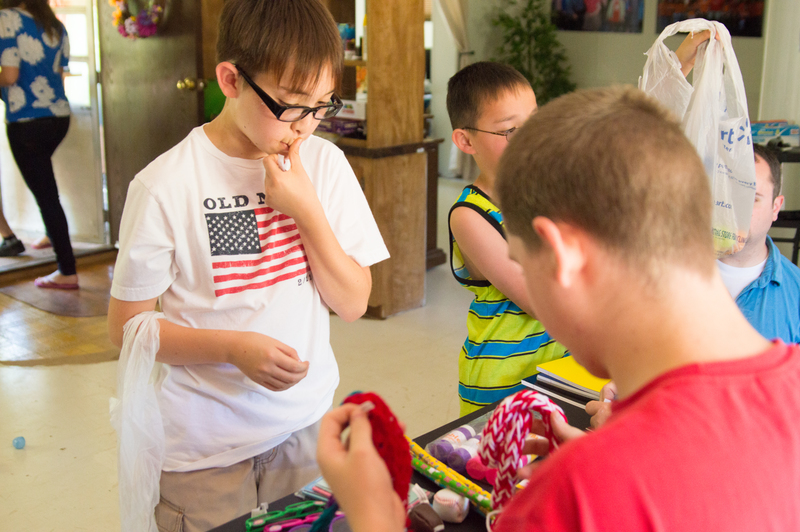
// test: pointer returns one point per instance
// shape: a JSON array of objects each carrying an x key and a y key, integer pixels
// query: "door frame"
[
  {"x": 95, "y": 103},
  {"x": 122, "y": 164}
]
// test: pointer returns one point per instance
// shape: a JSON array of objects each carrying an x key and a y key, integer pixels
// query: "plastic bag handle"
[
  {"x": 693, "y": 25},
  {"x": 730, "y": 62},
  {"x": 696, "y": 25},
  {"x": 733, "y": 72}
]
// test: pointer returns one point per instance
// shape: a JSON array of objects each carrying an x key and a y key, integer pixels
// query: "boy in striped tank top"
[{"x": 487, "y": 102}]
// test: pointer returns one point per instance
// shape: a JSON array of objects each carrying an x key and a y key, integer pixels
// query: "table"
[{"x": 474, "y": 522}]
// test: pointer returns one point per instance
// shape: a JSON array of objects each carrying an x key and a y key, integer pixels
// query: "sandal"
[
  {"x": 44, "y": 282},
  {"x": 42, "y": 243}
]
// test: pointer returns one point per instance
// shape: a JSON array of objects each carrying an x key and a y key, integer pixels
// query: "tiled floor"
[{"x": 66, "y": 479}]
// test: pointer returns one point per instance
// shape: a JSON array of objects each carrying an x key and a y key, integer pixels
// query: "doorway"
[{"x": 78, "y": 161}]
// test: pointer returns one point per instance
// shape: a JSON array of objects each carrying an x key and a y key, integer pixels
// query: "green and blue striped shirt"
[{"x": 504, "y": 344}]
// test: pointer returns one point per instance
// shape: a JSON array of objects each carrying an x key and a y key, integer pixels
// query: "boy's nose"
[{"x": 306, "y": 125}]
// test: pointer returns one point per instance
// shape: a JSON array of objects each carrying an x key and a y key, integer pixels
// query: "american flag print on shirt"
[{"x": 254, "y": 249}]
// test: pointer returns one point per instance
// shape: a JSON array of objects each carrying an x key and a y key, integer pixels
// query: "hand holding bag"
[{"x": 713, "y": 113}]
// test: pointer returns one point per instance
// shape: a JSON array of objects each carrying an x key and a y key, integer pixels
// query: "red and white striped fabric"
[{"x": 505, "y": 433}]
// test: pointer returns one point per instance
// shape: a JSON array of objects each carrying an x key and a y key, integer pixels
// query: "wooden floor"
[{"x": 31, "y": 337}]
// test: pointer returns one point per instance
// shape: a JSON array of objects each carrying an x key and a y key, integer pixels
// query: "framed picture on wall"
[
  {"x": 598, "y": 15},
  {"x": 743, "y": 18}
]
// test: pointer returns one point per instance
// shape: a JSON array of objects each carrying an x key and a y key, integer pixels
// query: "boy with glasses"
[
  {"x": 487, "y": 102},
  {"x": 248, "y": 232}
]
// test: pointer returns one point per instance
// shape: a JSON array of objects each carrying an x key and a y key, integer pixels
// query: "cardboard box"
[
  {"x": 789, "y": 134},
  {"x": 761, "y": 124},
  {"x": 354, "y": 110},
  {"x": 339, "y": 126}
]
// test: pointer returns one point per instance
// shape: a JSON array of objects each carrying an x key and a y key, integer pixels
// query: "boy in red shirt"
[{"x": 607, "y": 206}]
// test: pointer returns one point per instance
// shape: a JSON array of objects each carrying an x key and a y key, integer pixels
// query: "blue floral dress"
[{"x": 39, "y": 91}]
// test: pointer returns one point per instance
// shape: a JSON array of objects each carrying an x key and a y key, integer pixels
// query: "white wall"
[
  {"x": 444, "y": 63},
  {"x": 780, "y": 88}
]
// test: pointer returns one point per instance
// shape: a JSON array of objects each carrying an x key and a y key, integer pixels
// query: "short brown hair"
[
  {"x": 771, "y": 158},
  {"x": 475, "y": 84},
  {"x": 615, "y": 164},
  {"x": 273, "y": 35}
]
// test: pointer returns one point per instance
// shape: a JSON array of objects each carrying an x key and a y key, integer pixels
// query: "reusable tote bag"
[{"x": 714, "y": 117}]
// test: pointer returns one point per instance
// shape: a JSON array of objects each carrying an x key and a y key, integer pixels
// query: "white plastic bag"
[
  {"x": 136, "y": 417},
  {"x": 714, "y": 116}
]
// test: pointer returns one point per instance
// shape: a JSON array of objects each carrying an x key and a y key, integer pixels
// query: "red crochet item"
[
  {"x": 504, "y": 436},
  {"x": 388, "y": 438}
]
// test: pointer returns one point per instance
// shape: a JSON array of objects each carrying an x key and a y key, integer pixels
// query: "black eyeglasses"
[
  {"x": 293, "y": 113},
  {"x": 508, "y": 133}
]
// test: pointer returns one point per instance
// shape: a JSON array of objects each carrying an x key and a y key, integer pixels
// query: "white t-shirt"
[
  {"x": 736, "y": 279},
  {"x": 197, "y": 232}
]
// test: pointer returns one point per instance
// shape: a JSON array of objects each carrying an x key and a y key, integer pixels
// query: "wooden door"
[{"x": 144, "y": 112}]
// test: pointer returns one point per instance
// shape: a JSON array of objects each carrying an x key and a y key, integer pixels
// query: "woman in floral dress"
[{"x": 34, "y": 50}]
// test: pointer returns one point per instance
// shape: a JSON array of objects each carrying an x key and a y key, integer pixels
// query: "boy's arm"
[
  {"x": 487, "y": 252},
  {"x": 265, "y": 360},
  {"x": 343, "y": 284}
]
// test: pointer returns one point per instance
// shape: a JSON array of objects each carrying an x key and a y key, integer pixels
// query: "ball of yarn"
[
  {"x": 441, "y": 448},
  {"x": 476, "y": 468},
  {"x": 479, "y": 471},
  {"x": 458, "y": 458},
  {"x": 450, "y": 506}
]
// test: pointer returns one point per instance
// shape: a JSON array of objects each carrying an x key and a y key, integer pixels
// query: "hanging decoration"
[{"x": 137, "y": 25}]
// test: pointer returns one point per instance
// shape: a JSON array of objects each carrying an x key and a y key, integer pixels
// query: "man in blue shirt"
[{"x": 764, "y": 283}]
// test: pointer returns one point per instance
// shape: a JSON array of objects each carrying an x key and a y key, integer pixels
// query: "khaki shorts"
[{"x": 198, "y": 501}]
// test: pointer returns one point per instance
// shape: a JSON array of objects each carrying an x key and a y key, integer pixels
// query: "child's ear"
[
  {"x": 566, "y": 244},
  {"x": 462, "y": 140},
  {"x": 227, "y": 76}
]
